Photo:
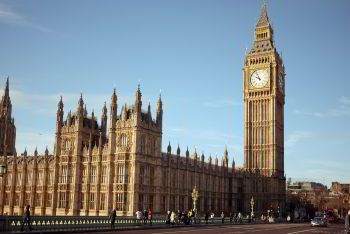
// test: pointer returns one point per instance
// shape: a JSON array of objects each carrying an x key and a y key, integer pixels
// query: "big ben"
[{"x": 264, "y": 98}]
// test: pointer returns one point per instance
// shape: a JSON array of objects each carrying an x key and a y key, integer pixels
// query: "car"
[{"x": 318, "y": 221}]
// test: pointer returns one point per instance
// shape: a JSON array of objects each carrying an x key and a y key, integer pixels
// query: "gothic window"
[
  {"x": 120, "y": 173},
  {"x": 142, "y": 175},
  {"x": 7, "y": 201},
  {"x": 9, "y": 179},
  {"x": 38, "y": 199},
  {"x": 143, "y": 144},
  {"x": 64, "y": 174},
  {"x": 16, "y": 199},
  {"x": 102, "y": 201},
  {"x": 120, "y": 198},
  {"x": 151, "y": 198},
  {"x": 84, "y": 174},
  {"x": 19, "y": 179},
  {"x": 67, "y": 144},
  {"x": 151, "y": 182},
  {"x": 48, "y": 199},
  {"x": 82, "y": 200},
  {"x": 50, "y": 178},
  {"x": 93, "y": 174},
  {"x": 164, "y": 178},
  {"x": 29, "y": 178},
  {"x": 62, "y": 200},
  {"x": 40, "y": 178},
  {"x": 126, "y": 175},
  {"x": 123, "y": 140},
  {"x": 104, "y": 175},
  {"x": 92, "y": 201},
  {"x": 27, "y": 198}
]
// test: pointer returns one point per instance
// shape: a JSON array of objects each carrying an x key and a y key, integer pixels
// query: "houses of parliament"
[{"x": 116, "y": 162}]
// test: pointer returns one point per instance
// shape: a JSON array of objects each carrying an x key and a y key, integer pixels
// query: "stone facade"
[{"x": 94, "y": 169}]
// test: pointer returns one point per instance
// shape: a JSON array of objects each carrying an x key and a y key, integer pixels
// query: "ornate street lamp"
[
  {"x": 252, "y": 207},
  {"x": 195, "y": 196},
  {"x": 3, "y": 170}
]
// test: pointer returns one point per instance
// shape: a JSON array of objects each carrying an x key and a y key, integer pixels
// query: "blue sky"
[{"x": 193, "y": 50}]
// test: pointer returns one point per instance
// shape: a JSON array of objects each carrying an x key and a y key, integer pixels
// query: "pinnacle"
[{"x": 264, "y": 19}]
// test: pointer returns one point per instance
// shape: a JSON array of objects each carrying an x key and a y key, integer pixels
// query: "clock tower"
[{"x": 264, "y": 95}]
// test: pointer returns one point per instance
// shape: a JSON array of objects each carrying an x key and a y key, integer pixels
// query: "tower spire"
[
  {"x": 264, "y": 19},
  {"x": 7, "y": 87}
]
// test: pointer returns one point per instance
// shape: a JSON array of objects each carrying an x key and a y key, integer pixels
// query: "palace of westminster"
[{"x": 96, "y": 167}]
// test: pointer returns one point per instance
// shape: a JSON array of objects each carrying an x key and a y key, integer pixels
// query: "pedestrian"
[
  {"x": 179, "y": 215},
  {"x": 26, "y": 218},
  {"x": 138, "y": 216},
  {"x": 347, "y": 222},
  {"x": 240, "y": 217},
  {"x": 112, "y": 216},
  {"x": 222, "y": 217},
  {"x": 167, "y": 220},
  {"x": 212, "y": 217},
  {"x": 145, "y": 216},
  {"x": 231, "y": 217},
  {"x": 150, "y": 216},
  {"x": 172, "y": 218},
  {"x": 206, "y": 217},
  {"x": 288, "y": 218}
]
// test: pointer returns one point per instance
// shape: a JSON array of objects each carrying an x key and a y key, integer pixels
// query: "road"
[
  {"x": 232, "y": 229},
  {"x": 223, "y": 229}
]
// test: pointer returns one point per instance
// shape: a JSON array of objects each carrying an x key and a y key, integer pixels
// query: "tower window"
[{"x": 123, "y": 140}]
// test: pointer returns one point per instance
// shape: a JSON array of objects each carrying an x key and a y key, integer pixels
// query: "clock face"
[{"x": 259, "y": 78}]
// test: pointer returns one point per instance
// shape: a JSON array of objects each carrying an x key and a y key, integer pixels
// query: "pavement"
[{"x": 278, "y": 228}]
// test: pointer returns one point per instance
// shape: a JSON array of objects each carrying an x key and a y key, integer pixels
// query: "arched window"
[{"x": 123, "y": 140}]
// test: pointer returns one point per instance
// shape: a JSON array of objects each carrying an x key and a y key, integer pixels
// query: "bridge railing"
[{"x": 14, "y": 223}]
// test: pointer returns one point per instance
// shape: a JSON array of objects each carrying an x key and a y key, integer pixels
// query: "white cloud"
[
  {"x": 9, "y": 16},
  {"x": 314, "y": 114},
  {"x": 342, "y": 108},
  {"x": 294, "y": 138},
  {"x": 344, "y": 100}
]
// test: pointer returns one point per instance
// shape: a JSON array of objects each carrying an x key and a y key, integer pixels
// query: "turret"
[
  {"x": 169, "y": 149},
  {"x": 178, "y": 150},
  {"x": 104, "y": 120},
  {"x": 149, "y": 112},
  {"x": 113, "y": 109},
  {"x": 60, "y": 112},
  {"x": 6, "y": 106},
  {"x": 225, "y": 159},
  {"x": 138, "y": 101},
  {"x": 159, "y": 118},
  {"x": 81, "y": 113}
]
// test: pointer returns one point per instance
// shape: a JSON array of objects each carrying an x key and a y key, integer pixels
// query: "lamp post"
[
  {"x": 195, "y": 196},
  {"x": 252, "y": 207}
]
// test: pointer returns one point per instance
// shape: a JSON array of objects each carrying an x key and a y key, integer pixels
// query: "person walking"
[
  {"x": 347, "y": 222},
  {"x": 112, "y": 216},
  {"x": 222, "y": 217},
  {"x": 240, "y": 217},
  {"x": 145, "y": 216},
  {"x": 231, "y": 217},
  {"x": 138, "y": 216},
  {"x": 150, "y": 216},
  {"x": 206, "y": 217},
  {"x": 212, "y": 217},
  {"x": 172, "y": 218},
  {"x": 26, "y": 218}
]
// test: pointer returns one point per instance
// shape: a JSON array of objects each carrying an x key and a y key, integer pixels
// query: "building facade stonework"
[{"x": 95, "y": 168}]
